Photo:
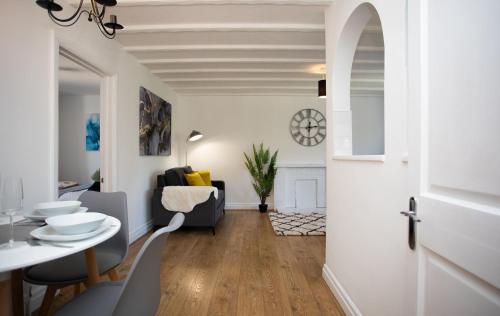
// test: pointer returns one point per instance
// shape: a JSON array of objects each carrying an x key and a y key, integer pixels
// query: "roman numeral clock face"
[{"x": 308, "y": 127}]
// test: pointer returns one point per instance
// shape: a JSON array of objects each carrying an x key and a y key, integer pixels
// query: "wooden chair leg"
[
  {"x": 76, "y": 289},
  {"x": 114, "y": 275},
  {"x": 86, "y": 284},
  {"x": 48, "y": 298}
]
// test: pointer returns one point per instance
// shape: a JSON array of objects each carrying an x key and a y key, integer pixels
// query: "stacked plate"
[
  {"x": 67, "y": 221},
  {"x": 72, "y": 227},
  {"x": 42, "y": 211}
]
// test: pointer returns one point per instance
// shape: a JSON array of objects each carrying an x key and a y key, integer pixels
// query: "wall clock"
[{"x": 308, "y": 127}]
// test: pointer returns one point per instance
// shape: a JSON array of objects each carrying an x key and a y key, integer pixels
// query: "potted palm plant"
[{"x": 262, "y": 168}]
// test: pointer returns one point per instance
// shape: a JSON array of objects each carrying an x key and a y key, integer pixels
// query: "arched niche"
[{"x": 358, "y": 86}]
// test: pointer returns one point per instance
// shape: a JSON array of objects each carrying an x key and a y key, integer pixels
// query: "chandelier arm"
[
  {"x": 104, "y": 31},
  {"x": 69, "y": 24},
  {"x": 95, "y": 9},
  {"x": 93, "y": 13},
  {"x": 101, "y": 15},
  {"x": 77, "y": 13}
]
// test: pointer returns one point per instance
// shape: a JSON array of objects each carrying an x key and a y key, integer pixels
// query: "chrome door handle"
[
  {"x": 412, "y": 220},
  {"x": 411, "y": 214}
]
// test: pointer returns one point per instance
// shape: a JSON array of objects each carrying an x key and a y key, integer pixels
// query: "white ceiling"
[
  {"x": 227, "y": 47},
  {"x": 239, "y": 46}
]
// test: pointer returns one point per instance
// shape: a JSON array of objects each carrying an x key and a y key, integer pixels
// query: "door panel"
[
  {"x": 446, "y": 285},
  {"x": 463, "y": 95},
  {"x": 467, "y": 236},
  {"x": 454, "y": 153}
]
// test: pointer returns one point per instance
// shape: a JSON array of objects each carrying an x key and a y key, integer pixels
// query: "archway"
[{"x": 358, "y": 86}]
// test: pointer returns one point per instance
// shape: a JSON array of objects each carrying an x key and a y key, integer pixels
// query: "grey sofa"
[{"x": 205, "y": 214}]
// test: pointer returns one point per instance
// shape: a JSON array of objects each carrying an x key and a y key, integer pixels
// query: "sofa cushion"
[
  {"x": 175, "y": 176},
  {"x": 194, "y": 179},
  {"x": 205, "y": 175}
]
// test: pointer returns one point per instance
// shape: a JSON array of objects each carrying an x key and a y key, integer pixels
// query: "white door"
[{"x": 454, "y": 154}]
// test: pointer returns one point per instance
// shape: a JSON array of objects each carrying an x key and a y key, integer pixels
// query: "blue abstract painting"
[{"x": 93, "y": 136}]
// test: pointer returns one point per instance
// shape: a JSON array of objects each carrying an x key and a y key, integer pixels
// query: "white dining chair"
[{"x": 138, "y": 294}]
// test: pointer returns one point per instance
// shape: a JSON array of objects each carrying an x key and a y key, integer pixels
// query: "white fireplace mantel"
[{"x": 300, "y": 187}]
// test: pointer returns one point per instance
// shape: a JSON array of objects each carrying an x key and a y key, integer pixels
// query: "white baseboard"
[
  {"x": 140, "y": 231},
  {"x": 320, "y": 210},
  {"x": 350, "y": 309},
  {"x": 245, "y": 206}
]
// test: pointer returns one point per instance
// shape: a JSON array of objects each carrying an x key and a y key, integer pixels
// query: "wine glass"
[{"x": 11, "y": 201}]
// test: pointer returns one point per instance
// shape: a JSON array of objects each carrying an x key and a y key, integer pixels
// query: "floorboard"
[{"x": 245, "y": 269}]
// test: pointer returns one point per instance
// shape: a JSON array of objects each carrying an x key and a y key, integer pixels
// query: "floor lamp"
[{"x": 194, "y": 136}]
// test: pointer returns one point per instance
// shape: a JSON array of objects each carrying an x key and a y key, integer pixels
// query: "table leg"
[
  {"x": 17, "y": 292},
  {"x": 5, "y": 295},
  {"x": 92, "y": 268}
]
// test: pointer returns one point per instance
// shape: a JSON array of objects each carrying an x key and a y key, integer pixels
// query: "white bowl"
[
  {"x": 73, "y": 224},
  {"x": 57, "y": 207}
]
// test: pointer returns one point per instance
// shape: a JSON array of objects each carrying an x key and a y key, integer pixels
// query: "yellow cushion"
[
  {"x": 205, "y": 175},
  {"x": 194, "y": 179}
]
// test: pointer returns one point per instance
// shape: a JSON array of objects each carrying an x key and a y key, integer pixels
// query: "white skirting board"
[
  {"x": 350, "y": 309},
  {"x": 140, "y": 231},
  {"x": 303, "y": 211},
  {"x": 246, "y": 206}
]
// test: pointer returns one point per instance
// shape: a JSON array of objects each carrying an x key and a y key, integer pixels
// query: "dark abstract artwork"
[
  {"x": 155, "y": 124},
  {"x": 93, "y": 132}
]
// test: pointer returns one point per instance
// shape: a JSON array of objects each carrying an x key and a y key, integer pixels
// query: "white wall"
[
  {"x": 28, "y": 117},
  {"x": 231, "y": 124},
  {"x": 75, "y": 163},
  {"x": 368, "y": 263},
  {"x": 367, "y": 125}
]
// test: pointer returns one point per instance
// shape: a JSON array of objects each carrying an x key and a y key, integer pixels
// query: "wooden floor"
[{"x": 243, "y": 270}]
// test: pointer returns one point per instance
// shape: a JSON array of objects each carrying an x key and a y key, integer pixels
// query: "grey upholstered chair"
[
  {"x": 139, "y": 294},
  {"x": 71, "y": 270}
]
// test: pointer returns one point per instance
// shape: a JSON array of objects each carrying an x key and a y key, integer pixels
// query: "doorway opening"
[{"x": 79, "y": 127}]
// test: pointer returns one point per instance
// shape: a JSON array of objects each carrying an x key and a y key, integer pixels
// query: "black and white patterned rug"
[{"x": 297, "y": 224}]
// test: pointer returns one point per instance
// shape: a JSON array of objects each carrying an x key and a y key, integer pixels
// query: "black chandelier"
[{"x": 94, "y": 14}]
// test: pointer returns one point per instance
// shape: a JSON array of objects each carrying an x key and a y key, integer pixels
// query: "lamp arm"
[{"x": 186, "y": 150}]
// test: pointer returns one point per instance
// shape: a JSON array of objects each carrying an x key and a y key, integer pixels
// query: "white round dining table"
[{"x": 12, "y": 261}]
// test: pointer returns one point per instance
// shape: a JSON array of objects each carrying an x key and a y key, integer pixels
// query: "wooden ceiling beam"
[
  {"x": 230, "y": 60},
  {"x": 283, "y": 79},
  {"x": 223, "y": 27},
  {"x": 128, "y": 3},
  {"x": 166, "y": 48},
  {"x": 233, "y": 70}
]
